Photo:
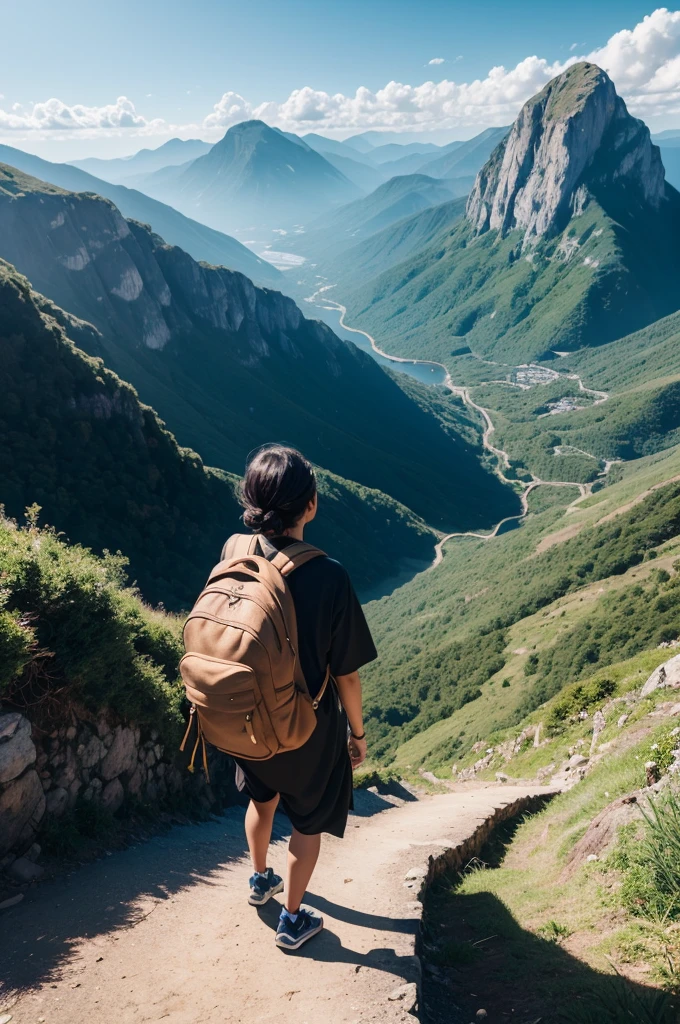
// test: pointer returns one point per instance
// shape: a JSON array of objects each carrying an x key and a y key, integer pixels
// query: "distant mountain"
[
  {"x": 201, "y": 242},
  {"x": 325, "y": 146},
  {"x": 571, "y": 238},
  {"x": 466, "y": 158},
  {"x": 385, "y": 249},
  {"x": 257, "y": 177},
  {"x": 365, "y": 141},
  {"x": 389, "y": 203},
  {"x": 394, "y": 151},
  {"x": 671, "y": 161},
  {"x": 171, "y": 153},
  {"x": 230, "y": 366},
  {"x": 413, "y": 163},
  {"x": 662, "y": 137}
]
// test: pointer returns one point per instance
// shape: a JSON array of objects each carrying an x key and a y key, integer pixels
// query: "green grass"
[
  {"x": 578, "y": 933},
  {"x": 73, "y": 632}
]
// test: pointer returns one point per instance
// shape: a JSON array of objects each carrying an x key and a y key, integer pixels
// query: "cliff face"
[
  {"x": 116, "y": 273},
  {"x": 574, "y": 137}
]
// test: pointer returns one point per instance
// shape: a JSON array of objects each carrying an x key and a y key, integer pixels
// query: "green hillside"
[
  {"x": 230, "y": 366},
  {"x": 350, "y": 268},
  {"x": 76, "y": 440},
  {"x": 500, "y": 626},
  {"x": 610, "y": 271}
]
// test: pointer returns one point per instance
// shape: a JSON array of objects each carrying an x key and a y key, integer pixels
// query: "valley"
[{"x": 476, "y": 343}]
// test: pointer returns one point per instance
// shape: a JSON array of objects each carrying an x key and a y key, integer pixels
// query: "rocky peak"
[{"x": 569, "y": 141}]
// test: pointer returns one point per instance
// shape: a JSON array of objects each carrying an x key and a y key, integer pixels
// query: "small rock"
[
  {"x": 5, "y": 1018},
  {"x": 12, "y": 901},
  {"x": 576, "y": 761},
  {"x": 481, "y": 1014},
  {"x": 501, "y": 777},
  {"x": 408, "y": 994},
  {"x": 622, "y": 721},
  {"x": 415, "y": 873},
  {"x": 33, "y": 852},
  {"x": 113, "y": 795},
  {"x": 24, "y": 870},
  {"x": 592, "y": 857},
  {"x": 652, "y": 772}
]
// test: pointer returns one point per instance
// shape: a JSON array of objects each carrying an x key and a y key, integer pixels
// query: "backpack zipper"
[{"x": 246, "y": 597}]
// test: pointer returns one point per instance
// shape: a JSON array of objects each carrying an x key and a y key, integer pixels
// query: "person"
[{"x": 313, "y": 783}]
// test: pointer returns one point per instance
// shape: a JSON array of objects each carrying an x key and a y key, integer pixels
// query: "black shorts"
[{"x": 314, "y": 781}]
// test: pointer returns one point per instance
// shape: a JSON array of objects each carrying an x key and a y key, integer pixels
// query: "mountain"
[
  {"x": 670, "y": 157},
  {"x": 230, "y": 366},
  {"x": 571, "y": 238},
  {"x": 394, "y": 151},
  {"x": 171, "y": 153},
  {"x": 201, "y": 242},
  {"x": 385, "y": 249},
  {"x": 464, "y": 159},
  {"x": 389, "y": 203},
  {"x": 662, "y": 138},
  {"x": 107, "y": 473},
  {"x": 257, "y": 177},
  {"x": 76, "y": 439}
]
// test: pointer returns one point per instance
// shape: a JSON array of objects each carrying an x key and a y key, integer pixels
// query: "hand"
[{"x": 357, "y": 751}]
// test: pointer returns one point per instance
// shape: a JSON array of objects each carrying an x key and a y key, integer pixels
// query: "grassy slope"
[
  {"x": 447, "y": 635},
  {"x": 573, "y": 931},
  {"x": 512, "y": 305},
  {"x": 479, "y": 582},
  {"x": 76, "y": 440}
]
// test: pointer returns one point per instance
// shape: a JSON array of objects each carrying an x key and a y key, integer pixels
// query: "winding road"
[{"x": 501, "y": 456}]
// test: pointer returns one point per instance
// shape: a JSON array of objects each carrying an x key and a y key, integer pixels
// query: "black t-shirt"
[{"x": 332, "y": 629}]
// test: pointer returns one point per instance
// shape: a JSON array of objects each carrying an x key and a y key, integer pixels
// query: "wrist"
[{"x": 357, "y": 735}]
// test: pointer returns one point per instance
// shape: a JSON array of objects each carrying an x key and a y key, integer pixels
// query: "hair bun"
[{"x": 263, "y": 522}]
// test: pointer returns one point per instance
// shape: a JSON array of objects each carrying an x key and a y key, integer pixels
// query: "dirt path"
[{"x": 162, "y": 932}]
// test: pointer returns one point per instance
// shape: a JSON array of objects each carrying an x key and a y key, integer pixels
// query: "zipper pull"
[{"x": 249, "y": 728}]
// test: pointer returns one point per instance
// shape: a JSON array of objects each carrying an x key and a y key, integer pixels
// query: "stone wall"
[{"x": 43, "y": 776}]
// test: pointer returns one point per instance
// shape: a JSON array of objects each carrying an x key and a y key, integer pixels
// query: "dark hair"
[{"x": 278, "y": 485}]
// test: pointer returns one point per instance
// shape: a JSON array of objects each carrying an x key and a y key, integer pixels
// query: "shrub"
[{"x": 575, "y": 698}]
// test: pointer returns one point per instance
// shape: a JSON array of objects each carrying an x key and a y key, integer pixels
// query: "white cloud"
[
  {"x": 573, "y": 47},
  {"x": 54, "y": 115},
  {"x": 644, "y": 63}
]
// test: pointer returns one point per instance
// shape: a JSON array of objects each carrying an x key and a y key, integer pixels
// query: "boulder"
[
  {"x": 17, "y": 749},
  {"x": 122, "y": 754},
  {"x": 57, "y": 802},
  {"x": 667, "y": 674},
  {"x": 9, "y": 724},
  {"x": 22, "y": 805},
  {"x": 92, "y": 753},
  {"x": 603, "y": 830},
  {"x": 113, "y": 795},
  {"x": 24, "y": 870},
  {"x": 68, "y": 770},
  {"x": 576, "y": 761}
]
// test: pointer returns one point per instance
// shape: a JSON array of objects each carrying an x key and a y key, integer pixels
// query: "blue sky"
[{"x": 174, "y": 62}]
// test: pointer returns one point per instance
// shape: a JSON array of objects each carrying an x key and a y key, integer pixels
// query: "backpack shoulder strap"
[
  {"x": 294, "y": 556},
  {"x": 239, "y": 545}
]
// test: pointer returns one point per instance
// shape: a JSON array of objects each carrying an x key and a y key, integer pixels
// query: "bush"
[
  {"x": 71, "y": 627},
  {"x": 576, "y": 698}
]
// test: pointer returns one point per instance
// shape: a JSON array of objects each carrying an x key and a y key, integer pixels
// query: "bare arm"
[{"x": 349, "y": 688}]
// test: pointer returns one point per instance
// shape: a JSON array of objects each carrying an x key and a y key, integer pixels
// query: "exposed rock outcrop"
[{"x": 573, "y": 137}]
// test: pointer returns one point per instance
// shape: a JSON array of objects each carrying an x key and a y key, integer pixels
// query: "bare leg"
[
  {"x": 303, "y": 853},
  {"x": 259, "y": 821}
]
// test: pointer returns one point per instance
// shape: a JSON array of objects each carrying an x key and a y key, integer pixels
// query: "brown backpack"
[{"x": 241, "y": 670}]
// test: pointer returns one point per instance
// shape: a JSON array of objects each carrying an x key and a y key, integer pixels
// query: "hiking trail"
[{"x": 162, "y": 932}]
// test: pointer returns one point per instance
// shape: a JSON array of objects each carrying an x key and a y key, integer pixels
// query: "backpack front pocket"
[{"x": 229, "y": 705}]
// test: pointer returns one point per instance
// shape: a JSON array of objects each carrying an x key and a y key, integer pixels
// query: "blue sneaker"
[
  {"x": 263, "y": 887},
  {"x": 293, "y": 934}
]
